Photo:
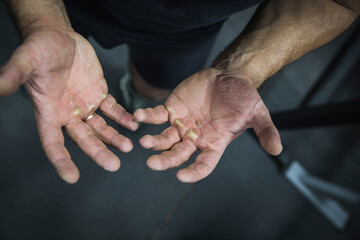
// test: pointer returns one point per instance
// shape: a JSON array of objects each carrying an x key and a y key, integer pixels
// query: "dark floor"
[{"x": 244, "y": 198}]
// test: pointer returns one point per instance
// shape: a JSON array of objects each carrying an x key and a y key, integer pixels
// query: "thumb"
[
  {"x": 266, "y": 131},
  {"x": 16, "y": 71}
]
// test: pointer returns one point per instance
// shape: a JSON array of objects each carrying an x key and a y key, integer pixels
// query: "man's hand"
[
  {"x": 214, "y": 106},
  {"x": 206, "y": 111},
  {"x": 65, "y": 81}
]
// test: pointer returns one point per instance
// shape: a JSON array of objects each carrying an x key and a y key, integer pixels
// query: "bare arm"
[
  {"x": 64, "y": 79},
  {"x": 37, "y": 13},
  {"x": 282, "y": 31},
  {"x": 216, "y": 105}
]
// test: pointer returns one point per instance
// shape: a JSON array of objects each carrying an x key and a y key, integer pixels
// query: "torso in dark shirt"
[
  {"x": 149, "y": 20},
  {"x": 174, "y": 15}
]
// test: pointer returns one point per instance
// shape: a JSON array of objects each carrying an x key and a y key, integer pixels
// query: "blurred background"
[{"x": 246, "y": 197}]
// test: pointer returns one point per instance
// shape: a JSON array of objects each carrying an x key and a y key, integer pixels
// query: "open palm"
[
  {"x": 65, "y": 81},
  {"x": 206, "y": 111}
]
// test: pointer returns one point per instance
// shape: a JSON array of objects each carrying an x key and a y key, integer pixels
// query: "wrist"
[
  {"x": 240, "y": 71},
  {"x": 220, "y": 74},
  {"x": 44, "y": 22},
  {"x": 243, "y": 60}
]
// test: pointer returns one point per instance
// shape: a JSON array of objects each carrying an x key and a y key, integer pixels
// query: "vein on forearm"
[{"x": 280, "y": 32}]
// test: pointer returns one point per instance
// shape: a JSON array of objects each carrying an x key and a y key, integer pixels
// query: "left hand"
[{"x": 206, "y": 111}]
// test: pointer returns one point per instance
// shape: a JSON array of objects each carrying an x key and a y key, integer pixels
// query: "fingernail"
[
  {"x": 192, "y": 134},
  {"x": 281, "y": 147},
  {"x": 183, "y": 178},
  {"x": 113, "y": 167},
  {"x": 67, "y": 178},
  {"x": 179, "y": 123},
  {"x": 154, "y": 165}
]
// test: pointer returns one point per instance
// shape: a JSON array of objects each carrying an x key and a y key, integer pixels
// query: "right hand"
[{"x": 65, "y": 81}]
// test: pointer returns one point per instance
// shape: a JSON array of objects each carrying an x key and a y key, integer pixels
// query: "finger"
[
  {"x": 156, "y": 115},
  {"x": 52, "y": 141},
  {"x": 109, "y": 135},
  {"x": 15, "y": 72},
  {"x": 178, "y": 154},
  {"x": 204, "y": 164},
  {"x": 84, "y": 137},
  {"x": 117, "y": 113},
  {"x": 267, "y": 133},
  {"x": 164, "y": 141}
]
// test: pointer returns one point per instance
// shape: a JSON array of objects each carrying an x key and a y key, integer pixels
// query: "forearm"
[
  {"x": 282, "y": 31},
  {"x": 37, "y": 13}
]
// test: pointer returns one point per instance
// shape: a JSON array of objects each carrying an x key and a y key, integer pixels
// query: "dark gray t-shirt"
[{"x": 155, "y": 20}]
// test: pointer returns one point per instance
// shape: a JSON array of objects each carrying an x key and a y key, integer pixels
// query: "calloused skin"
[
  {"x": 65, "y": 81},
  {"x": 206, "y": 111}
]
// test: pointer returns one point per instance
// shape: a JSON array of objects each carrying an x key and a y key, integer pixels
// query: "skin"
[
  {"x": 224, "y": 98},
  {"x": 65, "y": 90},
  {"x": 207, "y": 111},
  {"x": 217, "y": 118}
]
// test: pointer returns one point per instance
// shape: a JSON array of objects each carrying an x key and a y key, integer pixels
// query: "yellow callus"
[
  {"x": 191, "y": 134},
  {"x": 179, "y": 123}
]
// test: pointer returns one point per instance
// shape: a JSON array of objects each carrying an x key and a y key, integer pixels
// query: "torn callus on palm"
[
  {"x": 179, "y": 123},
  {"x": 191, "y": 134},
  {"x": 77, "y": 111},
  {"x": 91, "y": 107},
  {"x": 103, "y": 96},
  {"x": 170, "y": 109}
]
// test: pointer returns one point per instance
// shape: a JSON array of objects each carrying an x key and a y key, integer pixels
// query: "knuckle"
[
  {"x": 86, "y": 138},
  {"x": 116, "y": 137},
  {"x": 98, "y": 153},
  {"x": 168, "y": 136},
  {"x": 109, "y": 102}
]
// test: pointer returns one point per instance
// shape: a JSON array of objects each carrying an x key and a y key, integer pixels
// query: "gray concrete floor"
[{"x": 244, "y": 198}]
